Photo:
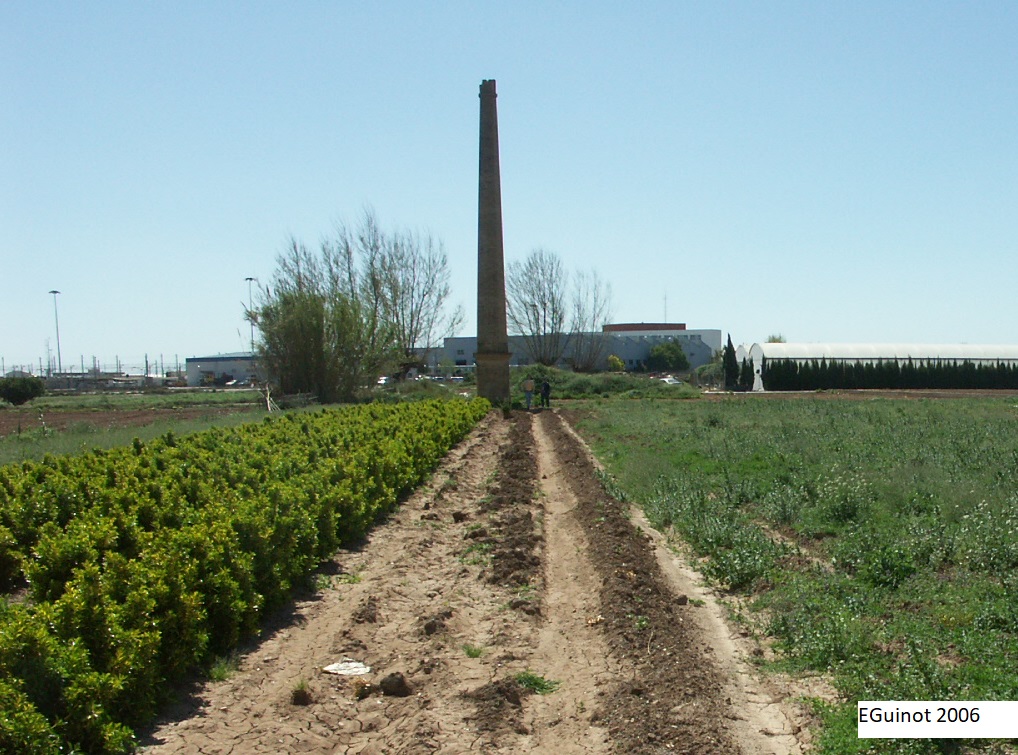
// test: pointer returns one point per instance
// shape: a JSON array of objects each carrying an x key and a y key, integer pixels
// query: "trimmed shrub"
[
  {"x": 21, "y": 390},
  {"x": 146, "y": 561}
]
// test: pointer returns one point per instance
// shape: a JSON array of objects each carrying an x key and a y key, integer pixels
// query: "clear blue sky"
[{"x": 828, "y": 171}]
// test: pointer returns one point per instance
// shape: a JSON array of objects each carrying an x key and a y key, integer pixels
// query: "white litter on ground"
[{"x": 347, "y": 667}]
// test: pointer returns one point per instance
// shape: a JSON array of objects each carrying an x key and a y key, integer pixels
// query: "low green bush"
[
  {"x": 738, "y": 553},
  {"x": 145, "y": 562},
  {"x": 21, "y": 390}
]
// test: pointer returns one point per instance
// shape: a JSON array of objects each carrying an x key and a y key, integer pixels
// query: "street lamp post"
[
  {"x": 56, "y": 321},
  {"x": 249, "y": 311}
]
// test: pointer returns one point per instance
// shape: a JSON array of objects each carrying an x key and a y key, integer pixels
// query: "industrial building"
[
  {"x": 241, "y": 367},
  {"x": 630, "y": 342}
]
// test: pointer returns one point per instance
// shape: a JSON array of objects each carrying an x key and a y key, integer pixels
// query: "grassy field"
[
  {"x": 75, "y": 423},
  {"x": 168, "y": 399},
  {"x": 876, "y": 540}
]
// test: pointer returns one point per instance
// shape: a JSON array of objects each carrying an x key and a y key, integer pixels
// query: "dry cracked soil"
[{"x": 511, "y": 605}]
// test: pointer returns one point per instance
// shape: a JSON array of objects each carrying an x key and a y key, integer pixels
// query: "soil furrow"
[{"x": 512, "y": 560}]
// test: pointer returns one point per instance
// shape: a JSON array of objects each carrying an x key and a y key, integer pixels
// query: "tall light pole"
[
  {"x": 56, "y": 321},
  {"x": 249, "y": 310}
]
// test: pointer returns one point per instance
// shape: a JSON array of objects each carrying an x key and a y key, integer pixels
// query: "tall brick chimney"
[{"x": 492, "y": 334}]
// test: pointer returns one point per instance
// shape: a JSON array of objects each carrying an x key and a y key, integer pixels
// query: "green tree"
[
  {"x": 667, "y": 356},
  {"x": 746, "y": 376},
  {"x": 21, "y": 390},
  {"x": 731, "y": 364},
  {"x": 710, "y": 374},
  {"x": 365, "y": 303},
  {"x": 615, "y": 363},
  {"x": 322, "y": 322}
]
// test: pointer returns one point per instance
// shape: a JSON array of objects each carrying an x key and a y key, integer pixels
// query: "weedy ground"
[{"x": 875, "y": 541}]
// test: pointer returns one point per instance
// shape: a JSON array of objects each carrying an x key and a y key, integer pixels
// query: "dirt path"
[
  {"x": 571, "y": 605},
  {"x": 511, "y": 566}
]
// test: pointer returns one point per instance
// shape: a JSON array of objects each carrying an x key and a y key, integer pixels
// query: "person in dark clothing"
[{"x": 546, "y": 395}]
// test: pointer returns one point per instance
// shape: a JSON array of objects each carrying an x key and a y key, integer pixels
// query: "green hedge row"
[{"x": 143, "y": 563}]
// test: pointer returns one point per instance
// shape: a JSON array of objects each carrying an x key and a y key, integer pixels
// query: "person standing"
[
  {"x": 528, "y": 391},
  {"x": 546, "y": 394}
]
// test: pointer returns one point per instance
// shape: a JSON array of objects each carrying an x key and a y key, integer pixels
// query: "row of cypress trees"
[
  {"x": 791, "y": 375},
  {"x": 737, "y": 377}
]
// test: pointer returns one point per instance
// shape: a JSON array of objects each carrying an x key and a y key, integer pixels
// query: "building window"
[{"x": 459, "y": 352}]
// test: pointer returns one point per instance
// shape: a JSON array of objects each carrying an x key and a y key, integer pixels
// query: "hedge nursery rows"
[{"x": 146, "y": 562}]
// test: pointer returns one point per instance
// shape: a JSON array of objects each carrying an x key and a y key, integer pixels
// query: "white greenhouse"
[{"x": 977, "y": 355}]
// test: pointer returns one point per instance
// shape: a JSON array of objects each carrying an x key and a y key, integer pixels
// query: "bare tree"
[
  {"x": 591, "y": 311},
  {"x": 353, "y": 260},
  {"x": 414, "y": 274},
  {"x": 535, "y": 305},
  {"x": 403, "y": 279}
]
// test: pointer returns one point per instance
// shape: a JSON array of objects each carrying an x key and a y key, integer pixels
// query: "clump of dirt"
[
  {"x": 301, "y": 695},
  {"x": 362, "y": 688},
  {"x": 436, "y": 623},
  {"x": 499, "y": 706},
  {"x": 395, "y": 685},
  {"x": 368, "y": 611}
]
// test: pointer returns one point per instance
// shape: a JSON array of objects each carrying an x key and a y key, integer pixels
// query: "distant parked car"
[{"x": 670, "y": 380}]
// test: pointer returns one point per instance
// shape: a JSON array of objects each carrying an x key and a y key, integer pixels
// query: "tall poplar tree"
[{"x": 731, "y": 366}]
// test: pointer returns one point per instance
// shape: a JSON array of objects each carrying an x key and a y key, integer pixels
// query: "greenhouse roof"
[{"x": 876, "y": 351}]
